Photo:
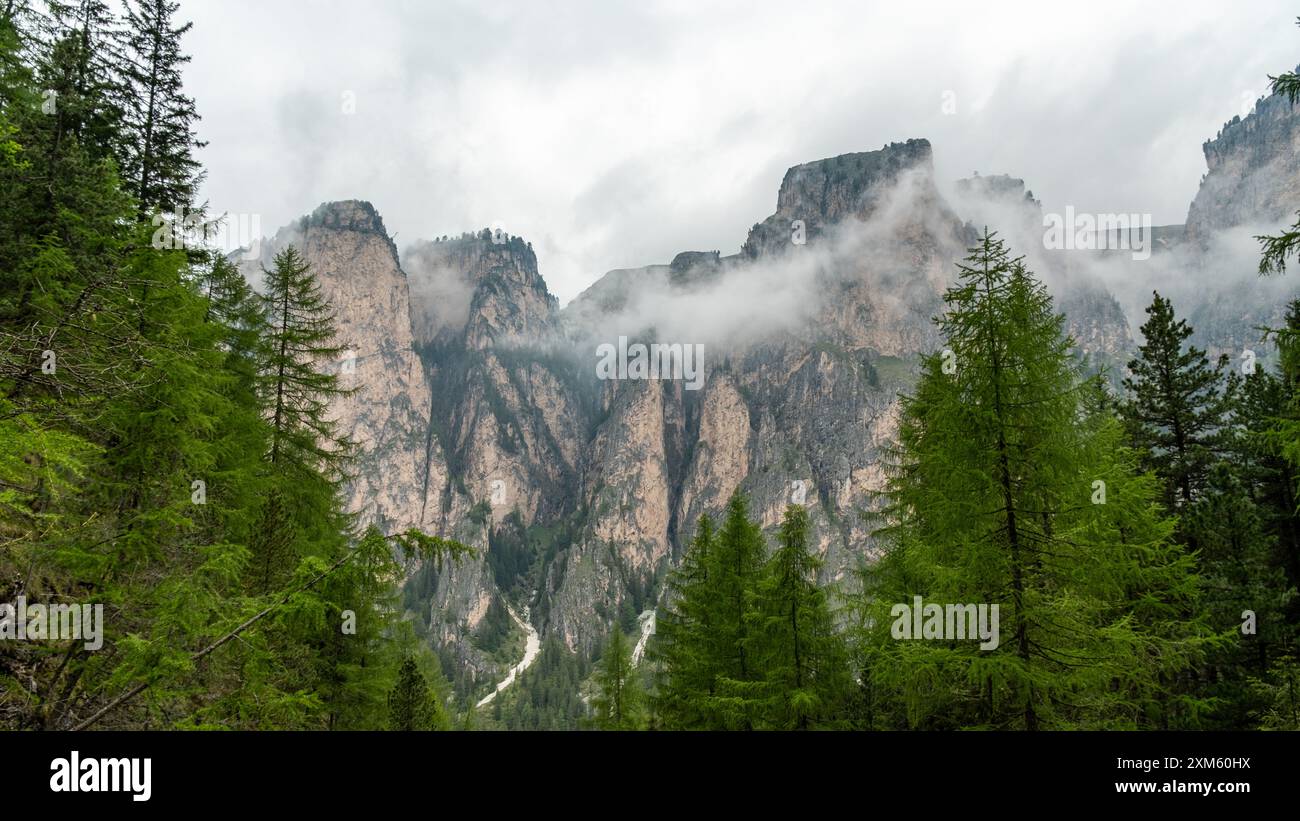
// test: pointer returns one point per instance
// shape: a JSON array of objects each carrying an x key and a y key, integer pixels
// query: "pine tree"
[
  {"x": 618, "y": 702},
  {"x": 82, "y": 67},
  {"x": 159, "y": 118},
  {"x": 1010, "y": 489},
  {"x": 1176, "y": 412}
]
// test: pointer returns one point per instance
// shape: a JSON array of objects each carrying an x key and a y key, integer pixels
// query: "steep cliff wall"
[
  {"x": 1251, "y": 186},
  {"x": 488, "y": 422},
  {"x": 1253, "y": 174},
  {"x": 388, "y": 414}
]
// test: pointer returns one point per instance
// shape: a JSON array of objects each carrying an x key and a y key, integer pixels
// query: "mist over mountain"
[
  {"x": 648, "y": 367},
  {"x": 583, "y": 492}
]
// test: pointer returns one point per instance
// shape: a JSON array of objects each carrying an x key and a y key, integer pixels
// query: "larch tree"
[
  {"x": 1010, "y": 491},
  {"x": 682, "y": 648},
  {"x": 618, "y": 703},
  {"x": 805, "y": 680},
  {"x": 298, "y": 378}
]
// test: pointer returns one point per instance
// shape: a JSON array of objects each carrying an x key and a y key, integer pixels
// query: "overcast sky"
[{"x": 614, "y": 135}]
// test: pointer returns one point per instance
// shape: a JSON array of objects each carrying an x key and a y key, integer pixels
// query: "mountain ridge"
[{"x": 581, "y": 494}]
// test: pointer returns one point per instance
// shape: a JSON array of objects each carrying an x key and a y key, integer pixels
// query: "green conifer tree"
[
  {"x": 683, "y": 647},
  {"x": 410, "y": 705},
  {"x": 805, "y": 680},
  {"x": 1010, "y": 489},
  {"x": 618, "y": 703},
  {"x": 736, "y": 566},
  {"x": 297, "y": 380},
  {"x": 159, "y": 117},
  {"x": 1177, "y": 409}
]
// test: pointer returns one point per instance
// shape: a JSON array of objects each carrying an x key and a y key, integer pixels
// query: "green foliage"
[
  {"x": 158, "y": 133},
  {"x": 164, "y": 444},
  {"x": 495, "y": 627},
  {"x": 480, "y": 513},
  {"x": 806, "y": 679},
  {"x": 992, "y": 501},
  {"x": 1278, "y": 694},
  {"x": 547, "y": 695},
  {"x": 411, "y": 705},
  {"x": 749, "y": 643},
  {"x": 683, "y": 646},
  {"x": 618, "y": 702},
  {"x": 1177, "y": 410}
]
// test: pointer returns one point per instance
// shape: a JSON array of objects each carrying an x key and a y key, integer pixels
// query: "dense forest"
[
  {"x": 164, "y": 447},
  {"x": 166, "y": 452}
]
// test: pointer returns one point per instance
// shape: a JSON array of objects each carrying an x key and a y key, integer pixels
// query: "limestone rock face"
[
  {"x": 388, "y": 414},
  {"x": 795, "y": 414},
  {"x": 1253, "y": 172},
  {"x": 1251, "y": 187},
  {"x": 487, "y": 419},
  {"x": 822, "y": 194},
  {"x": 504, "y": 409},
  {"x": 483, "y": 286}
]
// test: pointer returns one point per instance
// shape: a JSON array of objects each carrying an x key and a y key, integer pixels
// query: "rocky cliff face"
[
  {"x": 505, "y": 411},
  {"x": 488, "y": 419},
  {"x": 388, "y": 415},
  {"x": 1253, "y": 174},
  {"x": 1251, "y": 187},
  {"x": 796, "y": 412}
]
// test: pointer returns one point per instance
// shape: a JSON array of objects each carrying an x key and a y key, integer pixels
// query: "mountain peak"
[
  {"x": 483, "y": 284},
  {"x": 348, "y": 215},
  {"x": 816, "y": 195},
  {"x": 999, "y": 188},
  {"x": 851, "y": 176}
]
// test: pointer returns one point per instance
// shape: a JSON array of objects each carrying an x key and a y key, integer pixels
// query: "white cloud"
[{"x": 615, "y": 137}]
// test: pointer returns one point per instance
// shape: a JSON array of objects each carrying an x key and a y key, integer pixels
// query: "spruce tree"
[
  {"x": 159, "y": 164},
  {"x": 410, "y": 705},
  {"x": 82, "y": 68},
  {"x": 1237, "y": 553},
  {"x": 1177, "y": 407},
  {"x": 1256, "y": 452}
]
